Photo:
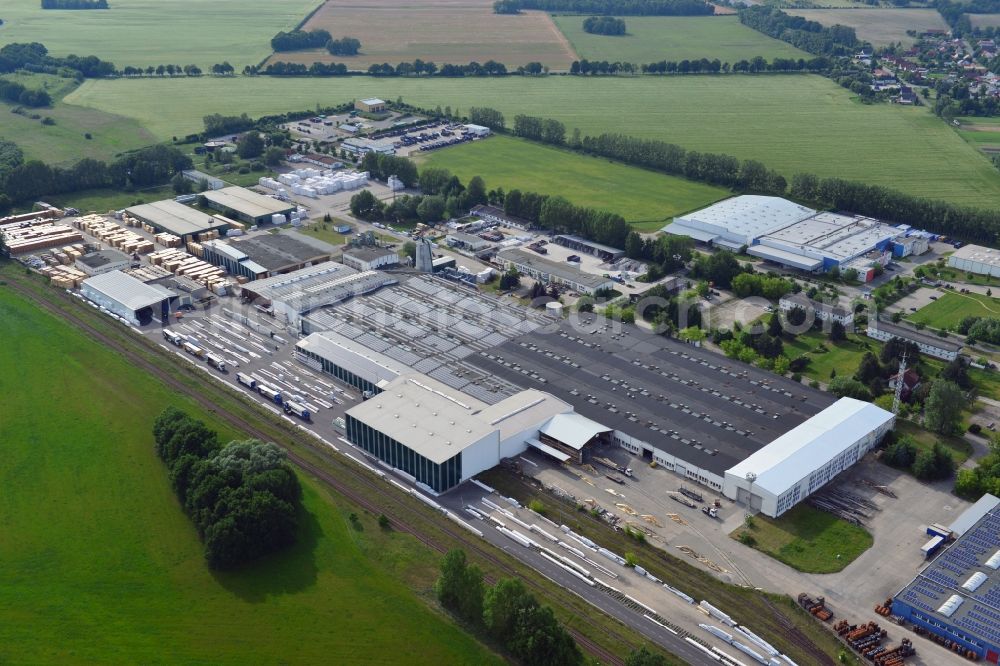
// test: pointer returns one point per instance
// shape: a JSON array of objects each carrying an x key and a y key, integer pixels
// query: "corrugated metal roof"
[
  {"x": 972, "y": 515},
  {"x": 125, "y": 289},
  {"x": 807, "y": 447},
  {"x": 573, "y": 429}
]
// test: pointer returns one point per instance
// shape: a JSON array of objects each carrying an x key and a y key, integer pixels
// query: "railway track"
[{"x": 395, "y": 508}]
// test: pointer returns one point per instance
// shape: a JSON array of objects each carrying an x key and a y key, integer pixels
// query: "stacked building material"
[
  {"x": 22, "y": 240},
  {"x": 180, "y": 262}
]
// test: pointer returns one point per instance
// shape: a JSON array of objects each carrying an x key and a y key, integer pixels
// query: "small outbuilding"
[{"x": 371, "y": 105}]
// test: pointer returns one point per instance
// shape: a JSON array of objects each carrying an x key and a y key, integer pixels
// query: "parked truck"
[
  {"x": 173, "y": 338},
  {"x": 627, "y": 471},
  {"x": 246, "y": 380},
  {"x": 271, "y": 394},
  {"x": 298, "y": 410},
  {"x": 193, "y": 349},
  {"x": 216, "y": 361}
]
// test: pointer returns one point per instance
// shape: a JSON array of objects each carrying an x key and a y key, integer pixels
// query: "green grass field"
[
  {"x": 951, "y": 308},
  {"x": 66, "y": 141},
  {"x": 655, "y": 38},
  {"x": 100, "y": 565},
  {"x": 808, "y": 539},
  {"x": 793, "y": 123},
  {"x": 151, "y": 32},
  {"x": 644, "y": 198},
  {"x": 843, "y": 357}
]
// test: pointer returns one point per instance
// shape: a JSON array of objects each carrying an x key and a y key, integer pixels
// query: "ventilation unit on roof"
[
  {"x": 949, "y": 607},
  {"x": 975, "y": 580}
]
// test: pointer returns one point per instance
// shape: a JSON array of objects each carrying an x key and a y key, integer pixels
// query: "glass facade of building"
[
  {"x": 343, "y": 375},
  {"x": 440, "y": 477}
]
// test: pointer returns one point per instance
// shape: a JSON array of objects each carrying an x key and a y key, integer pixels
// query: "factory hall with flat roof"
[{"x": 440, "y": 362}]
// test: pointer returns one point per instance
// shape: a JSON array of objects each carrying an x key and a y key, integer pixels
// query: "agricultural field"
[
  {"x": 881, "y": 27},
  {"x": 808, "y": 539},
  {"x": 950, "y": 308},
  {"x": 793, "y": 123},
  {"x": 153, "y": 32},
  {"x": 100, "y": 565},
  {"x": 655, "y": 38},
  {"x": 984, "y": 20},
  {"x": 66, "y": 141},
  {"x": 439, "y": 31},
  {"x": 644, "y": 198},
  {"x": 982, "y": 133}
]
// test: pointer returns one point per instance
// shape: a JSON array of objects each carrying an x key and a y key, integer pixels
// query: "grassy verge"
[
  {"x": 924, "y": 440},
  {"x": 950, "y": 308},
  {"x": 825, "y": 356},
  {"x": 326, "y": 611},
  {"x": 775, "y": 617},
  {"x": 324, "y": 232},
  {"x": 807, "y": 539}
]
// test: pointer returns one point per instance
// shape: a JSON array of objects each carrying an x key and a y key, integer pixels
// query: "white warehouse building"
[
  {"x": 976, "y": 259},
  {"x": 800, "y": 462}
]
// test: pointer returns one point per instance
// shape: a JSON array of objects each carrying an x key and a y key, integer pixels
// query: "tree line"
[
  {"x": 297, "y": 40},
  {"x": 34, "y": 57},
  {"x": 700, "y": 66},
  {"x": 614, "y": 7},
  {"x": 810, "y": 36},
  {"x": 16, "y": 93},
  {"x": 417, "y": 68},
  {"x": 243, "y": 497},
  {"x": 487, "y": 117},
  {"x": 74, "y": 4},
  {"x": 507, "y": 612},
  {"x": 604, "y": 25},
  {"x": 218, "y": 69},
  {"x": 33, "y": 179}
]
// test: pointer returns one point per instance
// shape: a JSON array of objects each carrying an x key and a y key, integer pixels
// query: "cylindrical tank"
[{"x": 554, "y": 308}]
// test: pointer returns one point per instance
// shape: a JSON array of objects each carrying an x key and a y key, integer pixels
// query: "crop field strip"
[
  {"x": 881, "y": 27},
  {"x": 361, "y": 488},
  {"x": 154, "y": 32},
  {"x": 439, "y": 31},
  {"x": 644, "y": 198},
  {"x": 792, "y": 123},
  {"x": 655, "y": 38}
]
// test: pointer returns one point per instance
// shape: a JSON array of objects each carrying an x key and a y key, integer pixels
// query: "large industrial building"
[
  {"x": 366, "y": 258},
  {"x": 264, "y": 255},
  {"x": 693, "y": 412},
  {"x": 102, "y": 261},
  {"x": 128, "y": 297},
  {"x": 957, "y": 596},
  {"x": 291, "y": 295},
  {"x": 976, "y": 259},
  {"x": 248, "y": 206},
  {"x": 804, "y": 459},
  {"x": 551, "y": 272},
  {"x": 787, "y": 234},
  {"x": 176, "y": 218}
]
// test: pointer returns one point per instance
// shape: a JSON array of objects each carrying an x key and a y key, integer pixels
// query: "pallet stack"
[
  {"x": 167, "y": 240},
  {"x": 65, "y": 277},
  {"x": 114, "y": 234},
  {"x": 180, "y": 262},
  {"x": 24, "y": 240}
]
